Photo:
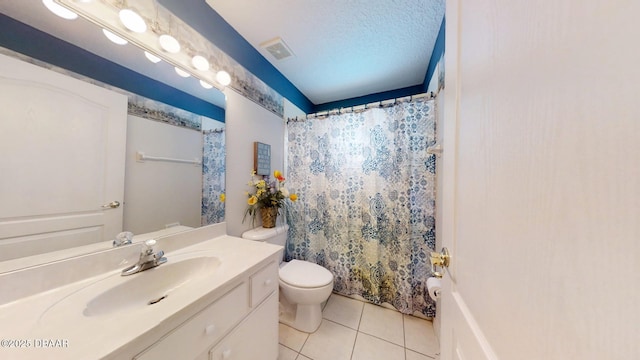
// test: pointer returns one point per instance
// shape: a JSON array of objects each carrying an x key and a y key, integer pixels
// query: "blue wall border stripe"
[
  {"x": 29, "y": 41},
  {"x": 213, "y": 27},
  {"x": 366, "y": 99},
  {"x": 438, "y": 50}
]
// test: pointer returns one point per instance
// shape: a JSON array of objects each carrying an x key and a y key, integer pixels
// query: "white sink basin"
[{"x": 150, "y": 287}]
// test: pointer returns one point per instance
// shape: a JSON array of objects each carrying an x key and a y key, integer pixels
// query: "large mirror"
[
  {"x": 174, "y": 175},
  {"x": 173, "y": 169}
]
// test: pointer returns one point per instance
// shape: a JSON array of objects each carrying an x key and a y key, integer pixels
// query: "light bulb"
[
  {"x": 182, "y": 72},
  {"x": 200, "y": 63},
  {"x": 205, "y": 84},
  {"x": 169, "y": 43},
  {"x": 114, "y": 38},
  {"x": 132, "y": 21},
  {"x": 223, "y": 78},
  {"x": 60, "y": 10},
  {"x": 154, "y": 59}
]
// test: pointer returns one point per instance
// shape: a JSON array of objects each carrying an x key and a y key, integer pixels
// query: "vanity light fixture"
[
  {"x": 60, "y": 10},
  {"x": 205, "y": 84},
  {"x": 132, "y": 21},
  {"x": 154, "y": 59},
  {"x": 223, "y": 78},
  {"x": 169, "y": 44},
  {"x": 114, "y": 38},
  {"x": 200, "y": 63},
  {"x": 182, "y": 73},
  {"x": 157, "y": 44}
]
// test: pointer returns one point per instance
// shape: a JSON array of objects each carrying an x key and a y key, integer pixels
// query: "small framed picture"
[{"x": 262, "y": 158}]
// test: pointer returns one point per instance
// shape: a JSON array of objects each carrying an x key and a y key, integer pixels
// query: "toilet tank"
[{"x": 276, "y": 235}]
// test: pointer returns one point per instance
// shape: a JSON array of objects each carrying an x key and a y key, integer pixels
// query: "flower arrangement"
[{"x": 267, "y": 196}]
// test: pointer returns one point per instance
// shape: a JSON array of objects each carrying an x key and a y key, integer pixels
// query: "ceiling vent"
[{"x": 277, "y": 48}]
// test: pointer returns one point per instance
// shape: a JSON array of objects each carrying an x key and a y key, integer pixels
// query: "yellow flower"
[
  {"x": 252, "y": 200},
  {"x": 223, "y": 197},
  {"x": 260, "y": 192},
  {"x": 293, "y": 197},
  {"x": 278, "y": 175},
  {"x": 261, "y": 184}
]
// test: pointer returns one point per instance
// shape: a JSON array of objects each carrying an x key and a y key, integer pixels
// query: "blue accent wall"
[
  {"x": 29, "y": 41},
  {"x": 212, "y": 26},
  {"x": 366, "y": 99},
  {"x": 438, "y": 50},
  {"x": 32, "y": 42}
]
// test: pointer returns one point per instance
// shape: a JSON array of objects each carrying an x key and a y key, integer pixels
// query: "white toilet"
[{"x": 304, "y": 286}]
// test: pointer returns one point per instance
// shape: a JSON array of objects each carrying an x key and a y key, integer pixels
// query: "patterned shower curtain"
[
  {"x": 213, "y": 173},
  {"x": 367, "y": 201}
]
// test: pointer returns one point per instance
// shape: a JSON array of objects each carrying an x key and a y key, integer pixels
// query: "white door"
[
  {"x": 541, "y": 171},
  {"x": 62, "y": 144}
]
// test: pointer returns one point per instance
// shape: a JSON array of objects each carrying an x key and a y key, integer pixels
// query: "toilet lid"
[{"x": 305, "y": 274}]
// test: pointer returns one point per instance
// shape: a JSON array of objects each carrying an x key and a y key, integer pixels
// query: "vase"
[{"x": 269, "y": 215}]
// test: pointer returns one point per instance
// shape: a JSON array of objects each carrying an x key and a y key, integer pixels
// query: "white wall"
[
  {"x": 247, "y": 122},
  {"x": 159, "y": 193},
  {"x": 210, "y": 124},
  {"x": 292, "y": 111},
  {"x": 433, "y": 83}
]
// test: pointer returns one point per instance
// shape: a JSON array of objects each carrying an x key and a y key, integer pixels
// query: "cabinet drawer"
[
  {"x": 263, "y": 283},
  {"x": 256, "y": 338},
  {"x": 203, "y": 330}
]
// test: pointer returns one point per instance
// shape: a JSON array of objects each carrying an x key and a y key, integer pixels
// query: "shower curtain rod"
[
  {"x": 359, "y": 108},
  {"x": 220, "y": 130}
]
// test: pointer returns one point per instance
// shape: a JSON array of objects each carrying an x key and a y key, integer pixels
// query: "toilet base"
[{"x": 305, "y": 318}]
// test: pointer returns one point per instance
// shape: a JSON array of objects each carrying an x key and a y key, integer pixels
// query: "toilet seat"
[{"x": 304, "y": 274}]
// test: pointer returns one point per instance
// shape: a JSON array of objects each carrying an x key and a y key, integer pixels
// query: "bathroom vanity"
[{"x": 215, "y": 298}]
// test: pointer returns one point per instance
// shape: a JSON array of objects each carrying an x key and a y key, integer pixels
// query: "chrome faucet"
[
  {"x": 148, "y": 259},
  {"x": 124, "y": 238}
]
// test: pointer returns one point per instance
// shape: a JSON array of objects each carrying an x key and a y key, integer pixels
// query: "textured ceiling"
[{"x": 343, "y": 48}]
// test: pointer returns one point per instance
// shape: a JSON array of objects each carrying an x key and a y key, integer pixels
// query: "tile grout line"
[
  {"x": 302, "y": 347},
  {"x": 308, "y": 334},
  {"x": 353, "y": 349},
  {"x": 404, "y": 333},
  {"x": 358, "y": 331},
  {"x": 404, "y": 338}
]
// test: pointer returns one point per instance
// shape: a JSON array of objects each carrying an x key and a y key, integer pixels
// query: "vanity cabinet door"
[
  {"x": 203, "y": 330},
  {"x": 263, "y": 283},
  {"x": 255, "y": 338}
]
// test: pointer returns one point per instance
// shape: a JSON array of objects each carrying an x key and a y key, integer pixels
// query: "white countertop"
[{"x": 54, "y": 318}]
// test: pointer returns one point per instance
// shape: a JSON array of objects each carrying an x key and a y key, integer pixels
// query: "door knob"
[
  {"x": 439, "y": 259},
  {"x": 111, "y": 205}
]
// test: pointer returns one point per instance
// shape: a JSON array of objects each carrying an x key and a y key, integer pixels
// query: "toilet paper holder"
[{"x": 439, "y": 259}]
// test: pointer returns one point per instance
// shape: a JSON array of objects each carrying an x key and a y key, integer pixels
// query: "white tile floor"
[{"x": 354, "y": 330}]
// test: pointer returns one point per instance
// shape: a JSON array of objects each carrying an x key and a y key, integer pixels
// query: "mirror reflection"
[
  {"x": 72, "y": 172},
  {"x": 174, "y": 175}
]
